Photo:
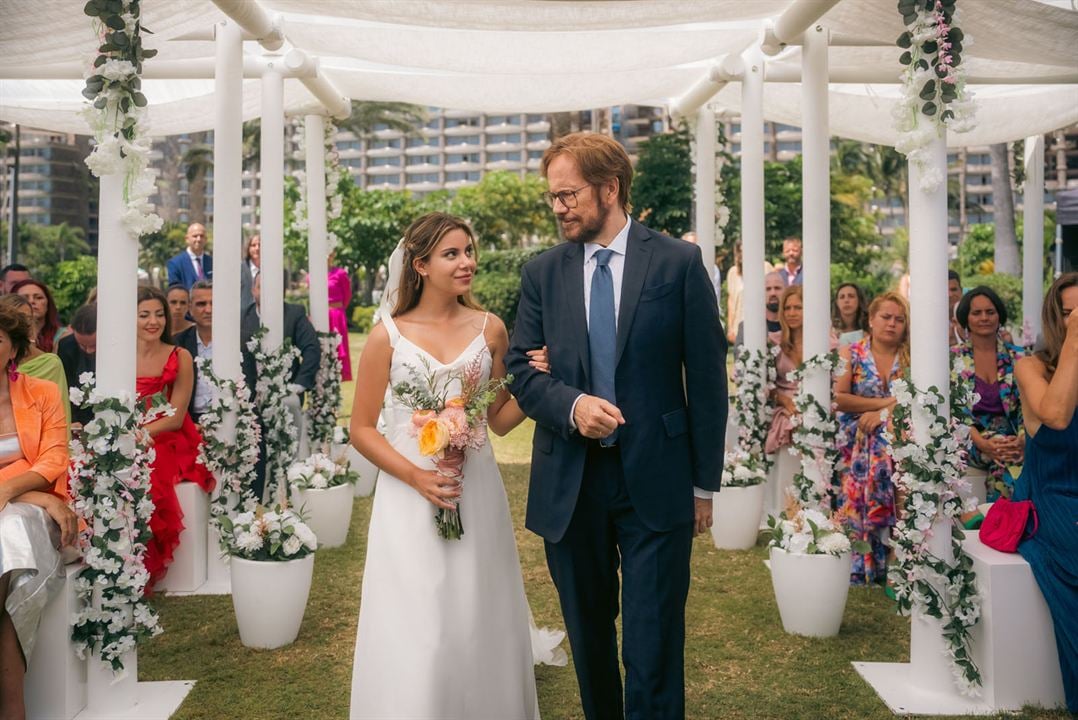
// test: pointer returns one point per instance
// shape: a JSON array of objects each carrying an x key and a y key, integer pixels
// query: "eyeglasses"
[{"x": 566, "y": 197}]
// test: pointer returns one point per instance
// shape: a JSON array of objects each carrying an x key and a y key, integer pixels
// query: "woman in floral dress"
[{"x": 866, "y": 497}]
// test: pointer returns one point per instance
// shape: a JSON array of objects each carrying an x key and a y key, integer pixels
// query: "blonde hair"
[
  {"x": 1053, "y": 323},
  {"x": 787, "y": 342},
  {"x": 600, "y": 159},
  {"x": 420, "y": 239},
  {"x": 904, "y": 344}
]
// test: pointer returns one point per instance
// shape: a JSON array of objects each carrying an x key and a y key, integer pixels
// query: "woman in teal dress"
[
  {"x": 984, "y": 362},
  {"x": 866, "y": 497},
  {"x": 1049, "y": 386}
]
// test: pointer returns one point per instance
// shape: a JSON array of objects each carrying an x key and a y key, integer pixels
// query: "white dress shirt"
[
  {"x": 196, "y": 263},
  {"x": 203, "y": 387}
]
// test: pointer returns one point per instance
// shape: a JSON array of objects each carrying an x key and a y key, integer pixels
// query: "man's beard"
[
  {"x": 589, "y": 230},
  {"x": 773, "y": 307}
]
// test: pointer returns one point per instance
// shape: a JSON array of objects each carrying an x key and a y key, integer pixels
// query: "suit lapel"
[
  {"x": 637, "y": 259},
  {"x": 573, "y": 300}
]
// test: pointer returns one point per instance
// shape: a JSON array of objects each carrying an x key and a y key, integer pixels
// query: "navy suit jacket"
[
  {"x": 188, "y": 340},
  {"x": 670, "y": 380},
  {"x": 181, "y": 269}
]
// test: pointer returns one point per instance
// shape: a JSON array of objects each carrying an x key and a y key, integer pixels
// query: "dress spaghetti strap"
[
  {"x": 391, "y": 329},
  {"x": 486, "y": 316}
]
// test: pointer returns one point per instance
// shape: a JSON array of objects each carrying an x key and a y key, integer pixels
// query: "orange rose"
[
  {"x": 433, "y": 437},
  {"x": 421, "y": 417},
  {"x": 457, "y": 402}
]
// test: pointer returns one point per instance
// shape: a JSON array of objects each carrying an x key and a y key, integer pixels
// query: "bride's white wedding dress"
[{"x": 443, "y": 624}]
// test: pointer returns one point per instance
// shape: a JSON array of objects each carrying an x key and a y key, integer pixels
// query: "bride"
[{"x": 444, "y": 623}]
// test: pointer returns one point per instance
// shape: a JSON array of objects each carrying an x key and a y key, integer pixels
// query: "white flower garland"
[
  {"x": 274, "y": 369},
  {"x": 110, "y": 481},
  {"x": 929, "y": 478},
  {"x": 325, "y": 398},
  {"x": 334, "y": 201},
  {"x": 747, "y": 464},
  {"x": 934, "y": 93},
  {"x": 722, "y": 210},
  {"x": 116, "y": 117},
  {"x": 815, "y": 434},
  {"x": 231, "y": 461}
]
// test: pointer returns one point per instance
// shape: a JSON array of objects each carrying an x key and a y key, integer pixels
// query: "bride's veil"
[{"x": 393, "y": 283}]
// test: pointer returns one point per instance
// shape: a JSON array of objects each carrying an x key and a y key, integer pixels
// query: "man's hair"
[
  {"x": 18, "y": 267},
  {"x": 600, "y": 159},
  {"x": 201, "y": 285},
  {"x": 792, "y": 239},
  {"x": 953, "y": 275},
  {"x": 84, "y": 321}
]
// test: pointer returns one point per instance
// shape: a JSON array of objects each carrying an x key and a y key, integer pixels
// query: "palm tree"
[
  {"x": 198, "y": 160},
  {"x": 366, "y": 116},
  {"x": 1006, "y": 255}
]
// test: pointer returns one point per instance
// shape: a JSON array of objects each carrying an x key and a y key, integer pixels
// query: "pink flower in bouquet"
[
  {"x": 456, "y": 421},
  {"x": 420, "y": 417}
]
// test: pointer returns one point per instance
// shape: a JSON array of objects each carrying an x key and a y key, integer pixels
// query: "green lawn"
[{"x": 739, "y": 663}]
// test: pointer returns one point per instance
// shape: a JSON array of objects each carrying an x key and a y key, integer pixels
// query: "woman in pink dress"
[{"x": 340, "y": 294}]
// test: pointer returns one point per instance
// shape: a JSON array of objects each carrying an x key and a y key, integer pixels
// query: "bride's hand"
[
  {"x": 539, "y": 359},
  {"x": 438, "y": 489}
]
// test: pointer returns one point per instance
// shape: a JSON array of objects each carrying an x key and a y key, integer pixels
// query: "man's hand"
[
  {"x": 596, "y": 418},
  {"x": 704, "y": 507}
]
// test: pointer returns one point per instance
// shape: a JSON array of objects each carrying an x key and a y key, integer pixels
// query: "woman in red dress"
[{"x": 164, "y": 368}]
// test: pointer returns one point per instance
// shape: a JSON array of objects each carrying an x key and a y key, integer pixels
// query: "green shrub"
[
  {"x": 507, "y": 261},
  {"x": 499, "y": 293},
  {"x": 363, "y": 317},
  {"x": 70, "y": 282}
]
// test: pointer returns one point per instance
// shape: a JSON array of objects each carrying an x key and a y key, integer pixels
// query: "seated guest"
[
  {"x": 790, "y": 343},
  {"x": 866, "y": 498},
  {"x": 1048, "y": 381},
  {"x": 78, "y": 353},
  {"x": 849, "y": 314},
  {"x": 954, "y": 294},
  {"x": 38, "y": 364},
  {"x": 34, "y": 515},
  {"x": 985, "y": 361},
  {"x": 46, "y": 321},
  {"x": 198, "y": 340},
  {"x": 179, "y": 302},
  {"x": 161, "y": 367}
]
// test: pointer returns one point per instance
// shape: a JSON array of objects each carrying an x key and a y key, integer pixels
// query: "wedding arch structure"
[{"x": 828, "y": 66}]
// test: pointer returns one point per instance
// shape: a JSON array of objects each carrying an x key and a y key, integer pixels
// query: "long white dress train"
[{"x": 443, "y": 624}]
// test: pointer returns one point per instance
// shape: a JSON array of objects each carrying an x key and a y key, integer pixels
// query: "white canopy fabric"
[{"x": 548, "y": 56}]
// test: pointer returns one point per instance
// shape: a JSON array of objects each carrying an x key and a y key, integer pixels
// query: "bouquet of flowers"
[
  {"x": 808, "y": 531},
  {"x": 447, "y": 426},
  {"x": 261, "y": 534},
  {"x": 320, "y": 472}
]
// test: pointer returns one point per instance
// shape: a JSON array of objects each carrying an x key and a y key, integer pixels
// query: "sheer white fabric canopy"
[{"x": 547, "y": 56}]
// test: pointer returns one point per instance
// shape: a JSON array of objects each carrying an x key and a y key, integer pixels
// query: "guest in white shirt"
[{"x": 198, "y": 340}]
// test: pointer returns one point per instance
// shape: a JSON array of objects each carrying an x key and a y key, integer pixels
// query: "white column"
[
  {"x": 705, "y": 185},
  {"x": 929, "y": 325},
  {"x": 117, "y": 303},
  {"x": 1033, "y": 237},
  {"x": 816, "y": 215},
  {"x": 227, "y": 183},
  {"x": 752, "y": 200},
  {"x": 316, "y": 221},
  {"x": 271, "y": 307}
]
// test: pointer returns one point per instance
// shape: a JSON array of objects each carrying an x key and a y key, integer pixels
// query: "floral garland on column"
[
  {"x": 815, "y": 434},
  {"x": 274, "y": 369},
  {"x": 110, "y": 480},
  {"x": 722, "y": 210},
  {"x": 934, "y": 93},
  {"x": 334, "y": 201},
  {"x": 114, "y": 87},
  {"x": 929, "y": 476},
  {"x": 747, "y": 464},
  {"x": 231, "y": 461},
  {"x": 325, "y": 398}
]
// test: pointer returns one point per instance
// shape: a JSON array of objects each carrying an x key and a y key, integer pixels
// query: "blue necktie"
[{"x": 602, "y": 333}]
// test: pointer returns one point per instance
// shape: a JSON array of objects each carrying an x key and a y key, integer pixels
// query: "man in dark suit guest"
[
  {"x": 194, "y": 263},
  {"x": 78, "y": 353},
  {"x": 11, "y": 274},
  {"x": 629, "y": 426},
  {"x": 198, "y": 340}
]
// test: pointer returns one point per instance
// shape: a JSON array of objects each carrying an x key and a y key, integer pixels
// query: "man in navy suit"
[
  {"x": 194, "y": 263},
  {"x": 629, "y": 426}
]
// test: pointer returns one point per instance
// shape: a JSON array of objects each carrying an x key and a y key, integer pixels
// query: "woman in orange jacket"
[{"x": 35, "y": 519}]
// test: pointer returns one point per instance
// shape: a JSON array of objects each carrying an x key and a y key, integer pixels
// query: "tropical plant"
[{"x": 506, "y": 210}]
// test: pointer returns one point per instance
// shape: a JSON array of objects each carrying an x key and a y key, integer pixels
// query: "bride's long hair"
[{"x": 420, "y": 239}]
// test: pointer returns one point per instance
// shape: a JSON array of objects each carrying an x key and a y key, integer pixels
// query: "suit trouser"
[{"x": 604, "y": 531}]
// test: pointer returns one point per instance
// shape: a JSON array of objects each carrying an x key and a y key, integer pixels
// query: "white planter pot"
[
  {"x": 270, "y": 599},
  {"x": 328, "y": 513},
  {"x": 811, "y": 591},
  {"x": 736, "y": 516}
]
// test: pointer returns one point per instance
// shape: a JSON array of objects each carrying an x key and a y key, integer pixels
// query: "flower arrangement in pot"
[
  {"x": 737, "y": 508},
  {"x": 810, "y": 569},
  {"x": 366, "y": 471},
  {"x": 272, "y": 565},
  {"x": 321, "y": 487}
]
